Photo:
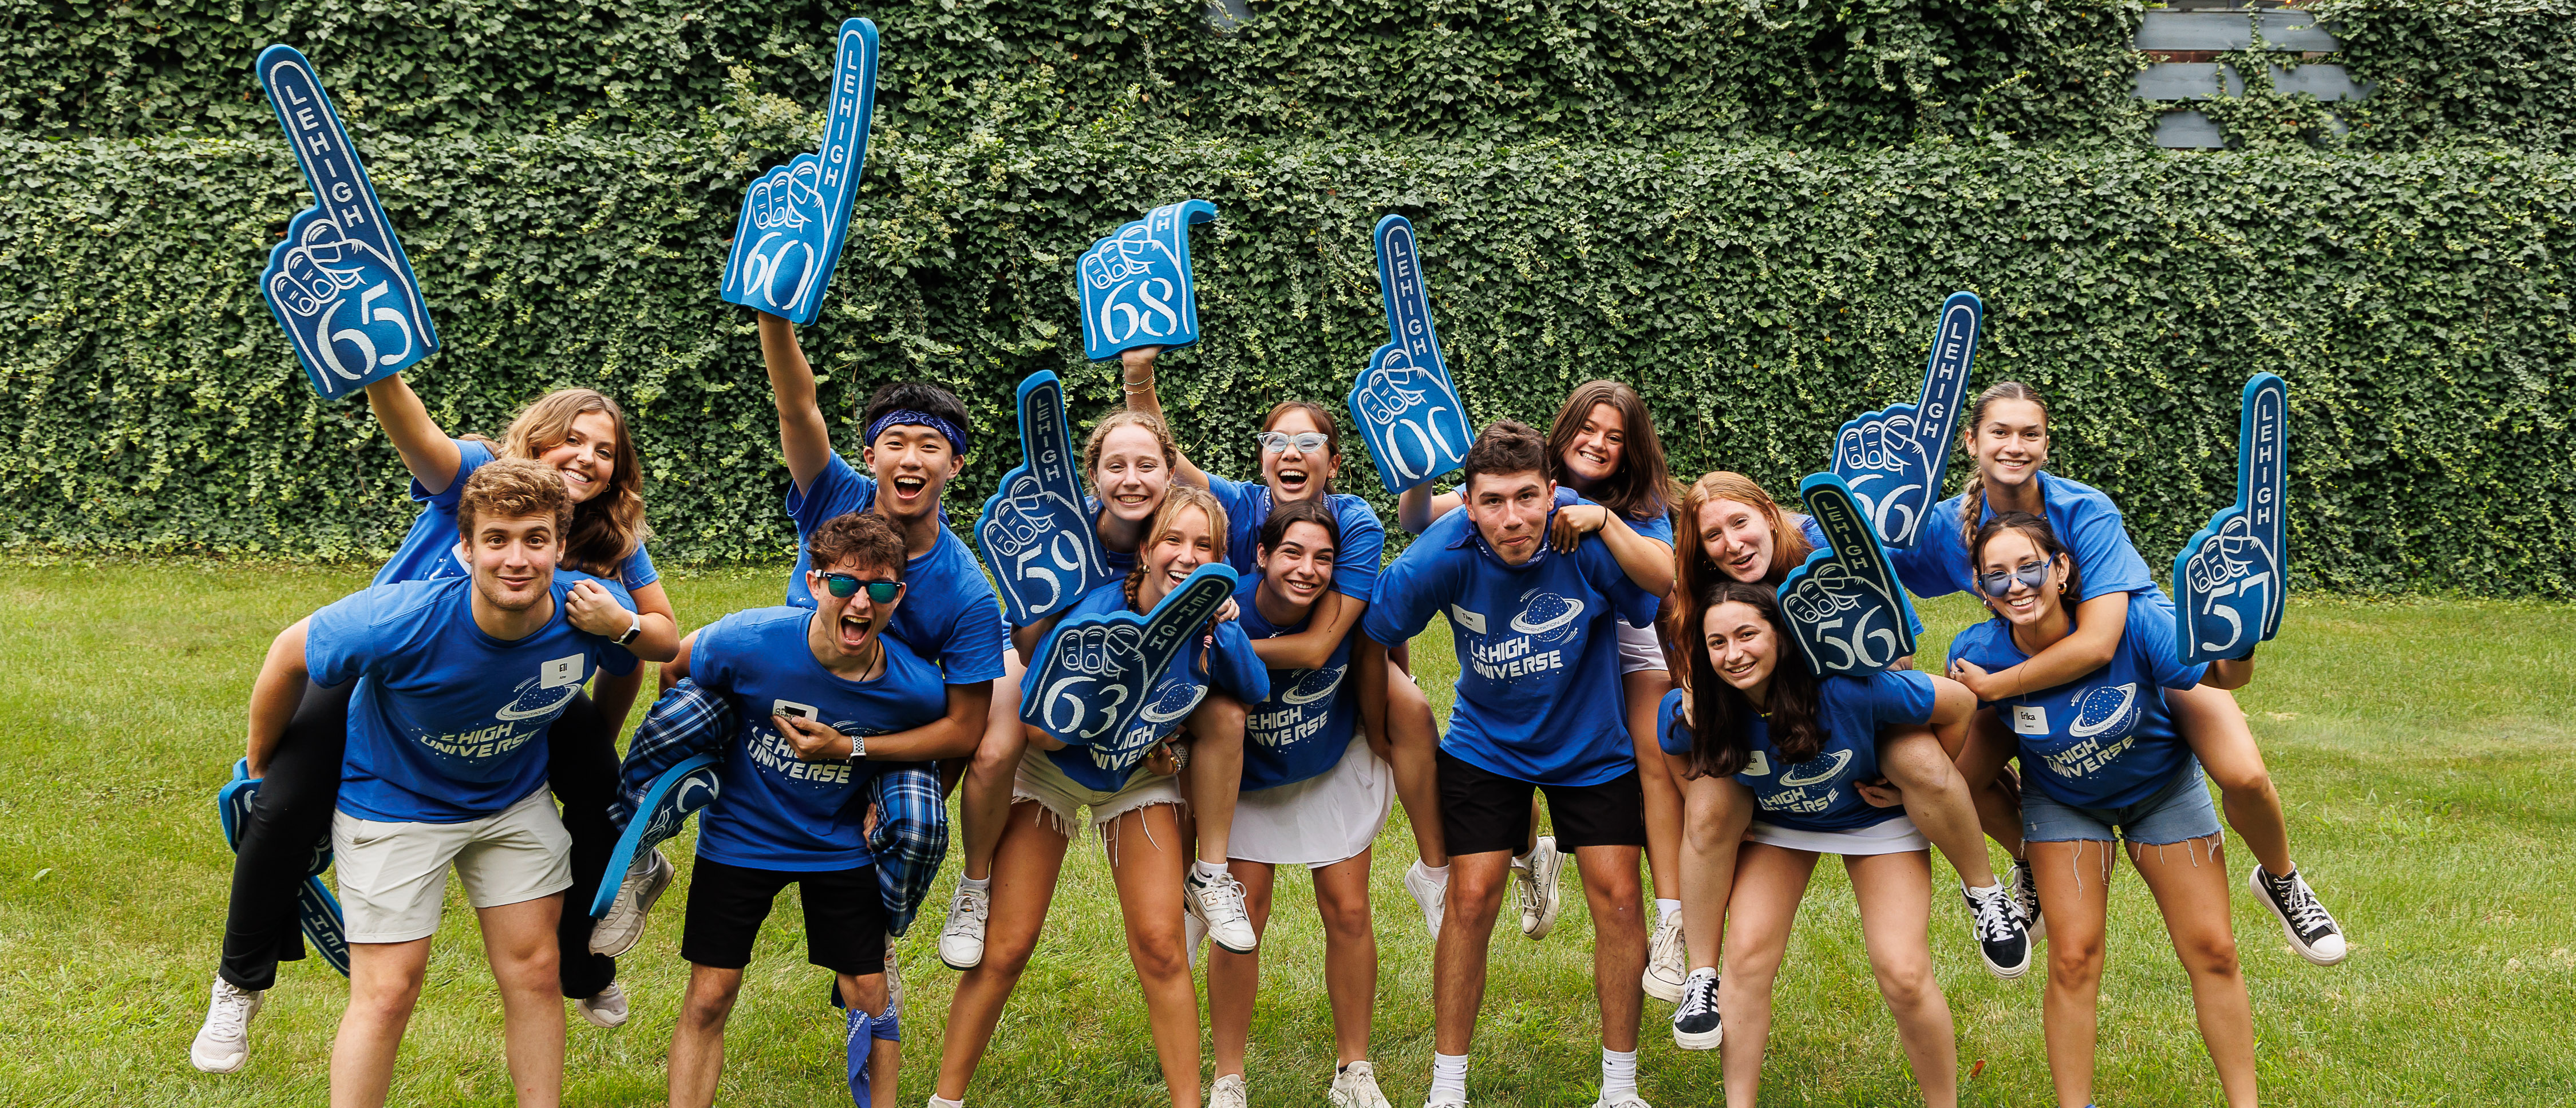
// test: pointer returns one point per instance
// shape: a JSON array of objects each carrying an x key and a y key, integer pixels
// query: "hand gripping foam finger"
[
  {"x": 788, "y": 238},
  {"x": 1044, "y": 552},
  {"x": 1135, "y": 287},
  {"x": 1844, "y": 606},
  {"x": 1094, "y": 672},
  {"x": 689, "y": 785},
  {"x": 1893, "y": 458},
  {"x": 339, "y": 284},
  {"x": 317, "y": 912},
  {"x": 1404, "y": 403},
  {"x": 2232, "y": 575}
]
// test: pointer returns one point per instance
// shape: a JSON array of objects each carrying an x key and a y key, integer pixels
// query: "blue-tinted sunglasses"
[
  {"x": 845, "y": 586},
  {"x": 2000, "y": 582}
]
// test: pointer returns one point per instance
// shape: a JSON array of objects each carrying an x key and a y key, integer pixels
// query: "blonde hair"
[
  {"x": 610, "y": 528},
  {"x": 1179, "y": 498},
  {"x": 513, "y": 488},
  {"x": 1125, "y": 417}
]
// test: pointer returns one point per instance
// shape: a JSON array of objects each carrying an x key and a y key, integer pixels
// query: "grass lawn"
[{"x": 2423, "y": 748}]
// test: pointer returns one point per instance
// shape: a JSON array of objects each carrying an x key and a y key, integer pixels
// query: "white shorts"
[
  {"x": 1039, "y": 780},
  {"x": 1640, "y": 648},
  {"x": 1895, "y": 836},
  {"x": 1330, "y": 817},
  {"x": 393, "y": 876}
]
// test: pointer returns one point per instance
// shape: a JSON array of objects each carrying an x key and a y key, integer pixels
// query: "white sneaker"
[
  {"x": 961, "y": 940},
  {"x": 623, "y": 926},
  {"x": 1665, "y": 966},
  {"x": 1228, "y": 1093},
  {"x": 223, "y": 1044},
  {"x": 1218, "y": 904},
  {"x": 1538, "y": 871},
  {"x": 608, "y": 1009},
  {"x": 1445, "y": 1100},
  {"x": 1626, "y": 1100},
  {"x": 1429, "y": 891},
  {"x": 1356, "y": 1087},
  {"x": 1193, "y": 933}
]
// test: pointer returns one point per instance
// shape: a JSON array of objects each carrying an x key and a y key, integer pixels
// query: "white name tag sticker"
[
  {"x": 2030, "y": 719},
  {"x": 561, "y": 672},
  {"x": 1759, "y": 765},
  {"x": 1472, "y": 621},
  {"x": 792, "y": 710}
]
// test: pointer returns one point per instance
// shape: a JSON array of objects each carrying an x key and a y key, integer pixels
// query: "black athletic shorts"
[
  {"x": 1482, "y": 811},
  {"x": 845, "y": 916}
]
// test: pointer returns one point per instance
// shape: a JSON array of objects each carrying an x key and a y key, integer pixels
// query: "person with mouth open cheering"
[{"x": 1539, "y": 707}]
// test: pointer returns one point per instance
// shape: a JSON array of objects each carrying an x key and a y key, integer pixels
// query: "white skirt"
[
  {"x": 1894, "y": 836},
  {"x": 1324, "y": 819}
]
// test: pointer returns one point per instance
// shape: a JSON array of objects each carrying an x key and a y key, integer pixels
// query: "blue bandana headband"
[{"x": 956, "y": 435}]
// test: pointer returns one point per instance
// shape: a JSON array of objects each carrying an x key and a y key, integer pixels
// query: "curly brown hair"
[
  {"x": 514, "y": 488},
  {"x": 863, "y": 538}
]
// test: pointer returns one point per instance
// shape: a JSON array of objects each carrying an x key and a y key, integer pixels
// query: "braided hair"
[{"x": 1973, "y": 510}]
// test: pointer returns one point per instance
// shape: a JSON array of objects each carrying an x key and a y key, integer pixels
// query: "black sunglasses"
[
  {"x": 845, "y": 586},
  {"x": 2001, "y": 581}
]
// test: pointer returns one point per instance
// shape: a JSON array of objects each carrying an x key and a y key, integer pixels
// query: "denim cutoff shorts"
[{"x": 2178, "y": 812}]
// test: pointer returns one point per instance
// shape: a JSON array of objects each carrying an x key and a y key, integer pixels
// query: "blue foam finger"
[
  {"x": 340, "y": 286},
  {"x": 1041, "y": 545},
  {"x": 1095, "y": 672},
  {"x": 1893, "y": 458},
  {"x": 1844, "y": 605},
  {"x": 788, "y": 239},
  {"x": 690, "y": 784},
  {"x": 317, "y": 912},
  {"x": 2233, "y": 575},
  {"x": 1404, "y": 404},
  {"x": 1135, "y": 285}
]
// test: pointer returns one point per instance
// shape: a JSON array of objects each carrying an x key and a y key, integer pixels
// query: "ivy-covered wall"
[
  {"x": 1758, "y": 296},
  {"x": 1749, "y": 211}
]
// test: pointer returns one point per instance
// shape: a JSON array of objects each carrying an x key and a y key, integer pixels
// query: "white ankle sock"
[
  {"x": 935, "y": 1102},
  {"x": 1438, "y": 873},
  {"x": 973, "y": 884},
  {"x": 1448, "y": 1074},
  {"x": 1666, "y": 909},
  {"x": 1988, "y": 890},
  {"x": 1205, "y": 870},
  {"x": 1618, "y": 1074}
]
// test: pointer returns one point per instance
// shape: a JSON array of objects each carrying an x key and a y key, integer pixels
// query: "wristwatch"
[
  {"x": 858, "y": 748},
  {"x": 634, "y": 630}
]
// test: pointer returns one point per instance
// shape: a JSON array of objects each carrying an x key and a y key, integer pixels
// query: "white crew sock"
[
  {"x": 1206, "y": 871},
  {"x": 967, "y": 884},
  {"x": 1666, "y": 910},
  {"x": 1618, "y": 1074},
  {"x": 1448, "y": 1075}
]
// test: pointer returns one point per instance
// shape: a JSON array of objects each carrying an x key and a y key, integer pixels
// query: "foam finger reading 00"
[{"x": 1404, "y": 403}]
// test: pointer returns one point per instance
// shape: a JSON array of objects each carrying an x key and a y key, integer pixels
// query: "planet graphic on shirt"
[
  {"x": 1815, "y": 771},
  {"x": 1315, "y": 685},
  {"x": 1548, "y": 616},
  {"x": 1175, "y": 700},
  {"x": 2103, "y": 710},
  {"x": 535, "y": 702}
]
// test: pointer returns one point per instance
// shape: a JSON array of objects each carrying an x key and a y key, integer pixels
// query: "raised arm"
[
  {"x": 802, "y": 434},
  {"x": 426, "y": 450},
  {"x": 1416, "y": 509},
  {"x": 1136, "y": 369},
  {"x": 275, "y": 694},
  {"x": 2230, "y": 673},
  {"x": 1648, "y": 562}
]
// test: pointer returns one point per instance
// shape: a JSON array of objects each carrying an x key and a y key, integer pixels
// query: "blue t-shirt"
[
  {"x": 1305, "y": 725},
  {"x": 949, "y": 608},
  {"x": 1118, "y": 562},
  {"x": 1355, "y": 561},
  {"x": 443, "y": 724},
  {"x": 429, "y": 551},
  {"x": 1539, "y": 697},
  {"x": 776, "y": 811},
  {"x": 1817, "y": 794},
  {"x": 2107, "y": 739},
  {"x": 1229, "y": 666},
  {"x": 2085, "y": 521}
]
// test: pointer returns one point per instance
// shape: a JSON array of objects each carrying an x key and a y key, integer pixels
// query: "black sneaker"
[
  {"x": 2002, "y": 941},
  {"x": 2313, "y": 933},
  {"x": 2025, "y": 893},
  {"x": 1695, "y": 1023}
]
